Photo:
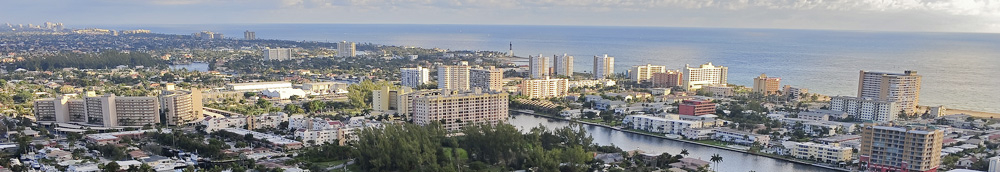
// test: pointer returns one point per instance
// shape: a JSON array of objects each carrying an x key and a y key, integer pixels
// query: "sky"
[{"x": 874, "y": 15}]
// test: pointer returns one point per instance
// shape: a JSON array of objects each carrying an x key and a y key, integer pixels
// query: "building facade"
[
  {"x": 903, "y": 88},
  {"x": 414, "y": 77},
  {"x": 706, "y": 74},
  {"x": 277, "y": 54},
  {"x": 669, "y": 78},
  {"x": 387, "y": 98},
  {"x": 696, "y": 107},
  {"x": 766, "y": 85},
  {"x": 544, "y": 88},
  {"x": 643, "y": 73},
  {"x": 604, "y": 66},
  {"x": 248, "y": 35},
  {"x": 489, "y": 78},
  {"x": 794, "y": 93},
  {"x": 181, "y": 107},
  {"x": 538, "y": 66},
  {"x": 866, "y": 109},
  {"x": 741, "y": 137},
  {"x": 453, "y": 77},
  {"x": 819, "y": 152},
  {"x": 345, "y": 49},
  {"x": 258, "y": 86},
  {"x": 455, "y": 109},
  {"x": 562, "y": 65},
  {"x": 905, "y": 148}
]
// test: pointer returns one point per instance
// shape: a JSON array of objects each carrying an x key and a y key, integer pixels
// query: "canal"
[{"x": 732, "y": 161}]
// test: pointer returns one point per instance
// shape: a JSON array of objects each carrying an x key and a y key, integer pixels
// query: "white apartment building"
[
  {"x": 277, "y": 54},
  {"x": 414, "y": 77},
  {"x": 740, "y": 137},
  {"x": 487, "y": 78},
  {"x": 455, "y": 109},
  {"x": 453, "y": 77},
  {"x": 865, "y": 108},
  {"x": 706, "y": 74},
  {"x": 902, "y": 88},
  {"x": 794, "y": 93},
  {"x": 538, "y": 66},
  {"x": 643, "y": 73},
  {"x": 324, "y": 87},
  {"x": 316, "y": 137},
  {"x": 660, "y": 124},
  {"x": 562, "y": 65},
  {"x": 544, "y": 88},
  {"x": 604, "y": 66},
  {"x": 818, "y": 152},
  {"x": 346, "y": 49}
]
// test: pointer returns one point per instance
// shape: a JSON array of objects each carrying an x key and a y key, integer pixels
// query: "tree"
[
  {"x": 293, "y": 109},
  {"x": 684, "y": 152},
  {"x": 111, "y": 167},
  {"x": 249, "y": 94},
  {"x": 716, "y": 159}
]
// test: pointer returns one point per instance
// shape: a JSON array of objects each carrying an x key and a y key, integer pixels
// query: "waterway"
[
  {"x": 196, "y": 66},
  {"x": 732, "y": 161}
]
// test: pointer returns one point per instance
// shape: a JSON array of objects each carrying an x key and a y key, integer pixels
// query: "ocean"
[{"x": 959, "y": 69}]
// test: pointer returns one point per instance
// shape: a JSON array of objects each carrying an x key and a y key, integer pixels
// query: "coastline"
[
  {"x": 688, "y": 141},
  {"x": 973, "y": 113}
]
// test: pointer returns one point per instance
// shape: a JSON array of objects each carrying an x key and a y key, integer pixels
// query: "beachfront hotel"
[
  {"x": 865, "y": 109},
  {"x": 902, "y": 148},
  {"x": 641, "y": 73},
  {"x": 903, "y": 88},
  {"x": 766, "y": 85},
  {"x": 704, "y": 75},
  {"x": 604, "y": 66}
]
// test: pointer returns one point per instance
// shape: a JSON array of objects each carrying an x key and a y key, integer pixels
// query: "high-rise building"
[
  {"x": 104, "y": 111},
  {"x": 544, "y": 88},
  {"x": 865, "y": 108},
  {"x": 387, "y": 98},
  {"x": 563, "y": 65},
  {"x": 794, "y": 93},
  {"x": 453, "y": 77},
  {"x": 706, "y": 74},
  {"x": 538, "y": 66},
  {"x": 217, "y": 36},
  {"x": 345, "y": 49},
  {"x": 249, "y": 35},
  {"x": 766, "y": 85},
  {"x": 414, "y": 77},
  {"x": 489, "y": 78},
  {"x": 994, "y": 164},
  {"x": 181, "y": 107},
  {"x": 670, "y": 78},
  {"x": 277, "y": 54},
  {"x": 903, "y": 88},
  {"x": 604, "y": 66},
  {"x": 903, "y": 148},
  {"x": 696, "y": 107},
  {"x": 455, "y": 109},
  {"x": 643, "y": 73}
]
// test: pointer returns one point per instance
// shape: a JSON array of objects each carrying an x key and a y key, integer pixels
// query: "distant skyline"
[{"x": 874, "y": 15}]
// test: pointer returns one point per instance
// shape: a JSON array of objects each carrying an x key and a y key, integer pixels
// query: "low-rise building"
[
  {"x": 741, "y": 137},
  {"x": 316, "y": 137},
  {"x": 819, "y": 152}
]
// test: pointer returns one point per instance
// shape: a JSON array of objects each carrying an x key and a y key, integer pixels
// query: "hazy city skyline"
[{"x": 876, "y": 15}]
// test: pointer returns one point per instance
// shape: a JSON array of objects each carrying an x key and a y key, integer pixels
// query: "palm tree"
[
  {"x": 716, "y": 159},
  {"x": 684, "y": 152}
]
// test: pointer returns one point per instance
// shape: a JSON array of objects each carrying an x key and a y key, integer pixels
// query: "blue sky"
[{"x": 877, "y": 15}]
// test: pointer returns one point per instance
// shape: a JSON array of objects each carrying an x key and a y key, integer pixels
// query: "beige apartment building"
[
  {"x": 903, "y": 88},
  {"x": 562, "y": 65},
  {"x": 455, "y": 109},
  {"x": 538, "y": 66},
  {"x": 120, "y": 111},
  {"x": 181, "y": 107},
  {"x": 643, "y": 73},
  {"x": 544, "y": 88},
  {"x": 604, "y": 66},
  {"x": 670, "y": 78},
  {"x": 766, "y": 85},
  {"x": 902, "y": 148},
  {"x": 832, "y": 153}
]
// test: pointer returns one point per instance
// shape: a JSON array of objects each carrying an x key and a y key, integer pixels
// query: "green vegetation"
[
  {"x": 410, "y": 147},
  {"x": 103, "y": 60}
]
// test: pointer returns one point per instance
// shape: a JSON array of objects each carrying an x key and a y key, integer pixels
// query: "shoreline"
[{"x": 688, "y": 141}]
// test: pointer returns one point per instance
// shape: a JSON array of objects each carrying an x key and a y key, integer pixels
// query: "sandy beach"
[{"x": 973, "y": 113}]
